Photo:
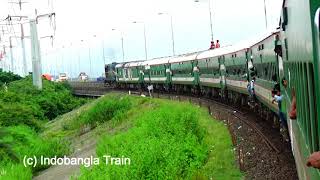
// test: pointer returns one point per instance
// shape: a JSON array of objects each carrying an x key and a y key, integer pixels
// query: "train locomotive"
[{"x": 289, "y": 53}]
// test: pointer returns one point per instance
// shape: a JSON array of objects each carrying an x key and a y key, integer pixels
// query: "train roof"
[
  {"x": 237, "y": 47},
  {"x": 120, "y": 65},
  {"x": 201, "y": 54},
  {"x": 221, "y": 51},
  {"x": 133, "y": 64},
  {"x": 157, "y": 61},
  {"x": 129, "y": 64},
  {"x": 184, "y": 57},
  {"x": 258, "y": 39}
]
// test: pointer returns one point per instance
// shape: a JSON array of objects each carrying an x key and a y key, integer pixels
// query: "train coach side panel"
[
  {"x": 182, "y": 73},
  {"x": 236, "y": 71},
  {"x": 157, "y": 74},
  {"x": 302, "y": 72},
  {"x": 266, "y": 63},
  {"x": 209, "y": 72}
]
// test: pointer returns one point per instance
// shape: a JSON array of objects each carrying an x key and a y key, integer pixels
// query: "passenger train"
[{"x": 290, "y": 53}]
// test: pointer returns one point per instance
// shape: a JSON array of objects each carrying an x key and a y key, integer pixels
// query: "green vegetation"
[
  {"x": 26, "y": 142},
  {"x": 22, "y": 103},
  {"x": 163, "y": 139},
  {"x": 24, "y": 111},
  {"x": 7, "y": 77}
]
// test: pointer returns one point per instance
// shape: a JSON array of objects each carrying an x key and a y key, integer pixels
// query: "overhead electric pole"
[
  {"x": 35, "y": 54},
  {"x": 25, "y": 66},
  {"x": 11, "y": 55}
]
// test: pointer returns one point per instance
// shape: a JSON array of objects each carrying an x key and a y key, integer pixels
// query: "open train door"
[{"x": 222, "y": 66}]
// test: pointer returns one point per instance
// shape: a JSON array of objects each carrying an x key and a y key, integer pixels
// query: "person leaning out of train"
[
  {"x": 252, "y": 84},
  {"x": 293, "y": 112},
  {"x": 250, "y": 88},
  {"x": 314, "y": 160},
  {"x": 212, "y": 46},
  {"x": 217, "y": 44},
  {"x": 278, "y": 46},
  {"x": 277, "y": 97}
]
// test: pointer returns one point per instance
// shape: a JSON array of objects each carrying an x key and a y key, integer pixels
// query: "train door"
[
  {"x": 168, "y": 74},
  {"x": 140, "y": 74},
  {"x": 147, "y": 73},
  {"x": 125, "y": 73},
  {"x": 247, "y": 64},
  {"x": 195, "y": 73},
  {"x": 222, "y": 72}
]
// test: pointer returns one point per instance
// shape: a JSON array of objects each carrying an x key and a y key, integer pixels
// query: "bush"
[
  {"x": 166, "y": 143},
  {"x": 167, "y": 140},
  {"x": 26, "y": 142},
  {"x": 22, "y": 103},
  {"x": 7, "y": 77},
  {"x": 104, "y": 110}
]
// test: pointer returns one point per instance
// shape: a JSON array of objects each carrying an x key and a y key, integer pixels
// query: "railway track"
[
  {"x": 209, "y": 103},
  {"x": 232, "y": 111}
]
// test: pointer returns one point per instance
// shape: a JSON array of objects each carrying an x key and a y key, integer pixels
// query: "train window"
[
  {"x": 285, "y": 17},
  {"x": 262, "y": 46},
  {"x": 266, "y": 72},
  {"x": 232, "y": 56}
]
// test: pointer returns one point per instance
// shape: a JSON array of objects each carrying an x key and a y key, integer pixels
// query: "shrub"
[
  {"x": 7, "y": 77},
  {"x": 166, "y": 143},
  {"x": 22, "y": 103},
  {"x": 104, "y": 110},
  {"x": 26, "y": 142}
]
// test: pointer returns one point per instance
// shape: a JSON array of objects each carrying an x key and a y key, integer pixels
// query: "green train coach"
[
  {"x": 300, "y": 59},
  {"x": 289, "y": 54}
]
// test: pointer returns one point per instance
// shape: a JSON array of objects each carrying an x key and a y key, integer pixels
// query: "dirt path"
[{"x": 85, "y": 147}]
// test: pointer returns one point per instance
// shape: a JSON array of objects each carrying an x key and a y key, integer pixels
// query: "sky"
[{"x": 84, "y": 39}]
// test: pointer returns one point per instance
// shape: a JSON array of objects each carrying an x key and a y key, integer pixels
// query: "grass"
[
  {"x": 165, "y": 140},
  {"x": 21, "y": 103},
  {"x": 24, "y": 141},
  {"x": 23, "y": 112}
]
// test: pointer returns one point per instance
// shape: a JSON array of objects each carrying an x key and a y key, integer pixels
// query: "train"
[{"x": 288, "y": 54}]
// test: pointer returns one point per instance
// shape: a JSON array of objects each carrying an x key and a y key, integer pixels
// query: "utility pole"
[
  {"x": 145, "y": 41},
  {"x": 265, "y": 14},
  {"x": 36, "y": 56},
  {"x": 122, "y": 48},
  {"x": 145, "y": 38},
  {"x": 90, "y": 61},
  {"x": 210, "y": 16},
  {"x": 172, "y": 33},
  {"x": 210, "y": 13},
  {"x": 104, "y": 60},
  {"x": 11, "y": 55},
  {"x": 25, "y": 66}
]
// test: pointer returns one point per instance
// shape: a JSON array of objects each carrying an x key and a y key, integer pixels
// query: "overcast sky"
[{"x": 84, "y": 29}]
